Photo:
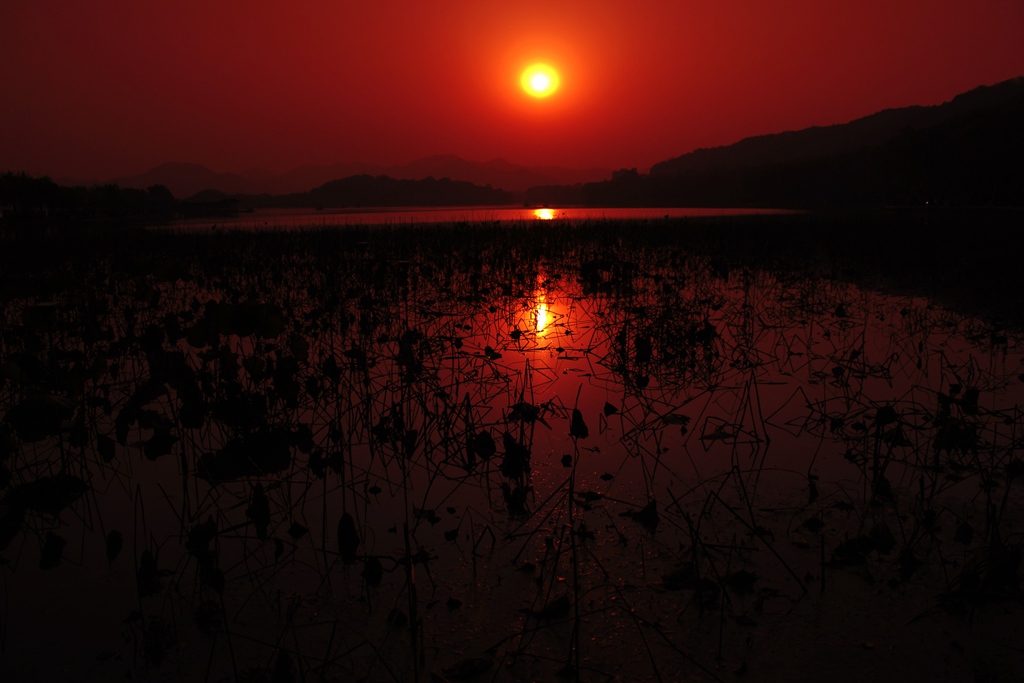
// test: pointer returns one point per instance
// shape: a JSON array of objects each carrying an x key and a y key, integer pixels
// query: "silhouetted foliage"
[
  {"x": 24, "y": 199},
  {"x": 338, "y": 437}
]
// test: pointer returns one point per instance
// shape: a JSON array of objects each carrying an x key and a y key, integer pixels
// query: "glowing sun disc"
[{"x": 539, "y": 80}]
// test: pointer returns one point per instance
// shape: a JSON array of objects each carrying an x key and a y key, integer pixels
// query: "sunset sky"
[{"x": 98, "y": 89}]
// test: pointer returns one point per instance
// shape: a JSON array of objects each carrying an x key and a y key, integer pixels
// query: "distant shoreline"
[{"x": 963, "y": 258}]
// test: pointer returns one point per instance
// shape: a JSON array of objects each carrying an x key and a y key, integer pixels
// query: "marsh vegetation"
[{"x": 593, "y": 451}]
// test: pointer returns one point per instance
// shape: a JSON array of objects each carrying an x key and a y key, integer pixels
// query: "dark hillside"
[
  {"x": 841, "y": 139},
  {"x": 970, "y": 158}
]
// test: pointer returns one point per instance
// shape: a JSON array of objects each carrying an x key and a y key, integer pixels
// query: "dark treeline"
[{"x": 24, "y": 199}]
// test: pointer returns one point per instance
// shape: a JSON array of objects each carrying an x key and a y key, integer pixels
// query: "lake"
[
  {"x": 311, "y": 218},
  {"x": 506, "y": 453}
]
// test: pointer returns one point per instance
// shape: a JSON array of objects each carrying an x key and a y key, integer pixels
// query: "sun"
[{"x": 539, "y": 80}]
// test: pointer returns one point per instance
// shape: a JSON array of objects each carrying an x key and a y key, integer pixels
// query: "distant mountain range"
[
  {"x": 366, "y": 191},
  {"x": 829, "y": 141},
  {"x": 187, "y": 179},
  {"x": 28, "y": 201},
  {"x": 965, "y": 152}
]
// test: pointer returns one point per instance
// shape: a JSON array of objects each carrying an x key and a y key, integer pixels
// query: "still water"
[
  {"x": 312, "y": 218},
  {"x": 453, "y": 456}
]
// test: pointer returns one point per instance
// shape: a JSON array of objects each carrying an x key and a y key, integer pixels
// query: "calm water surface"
[
  {"x": 311, "y": 218},
  {"x": 395, "y": 459}
]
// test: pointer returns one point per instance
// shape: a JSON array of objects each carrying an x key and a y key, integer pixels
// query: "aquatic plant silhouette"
[{"x": 348, "y": 452}]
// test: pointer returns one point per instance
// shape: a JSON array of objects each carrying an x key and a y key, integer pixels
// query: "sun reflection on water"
[
  {"x": 544, "y": 214},
  {"x": 542, "y": 316}
]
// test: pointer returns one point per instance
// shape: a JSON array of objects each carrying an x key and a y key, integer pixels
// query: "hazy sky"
[{"x": 94, "y": 89}]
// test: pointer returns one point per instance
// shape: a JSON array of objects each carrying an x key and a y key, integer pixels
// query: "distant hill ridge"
[
  {"x": 187, "y": 179},
  {"x": 366, "y": 190},
  {"x": 964, "y": 151},
  {"x": 826, "y": 141}
]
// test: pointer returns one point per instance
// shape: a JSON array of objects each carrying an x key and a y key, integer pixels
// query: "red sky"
[{"x": 103, "y": 88}]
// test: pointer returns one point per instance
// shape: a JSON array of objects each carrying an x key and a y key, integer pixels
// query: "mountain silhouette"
[
  {"x": 965, "y": 152},
  {"x": 28, "y": 201},
  {"x": 827, "y": 141},
  {"x": 369, "y": 191},
  {"x": 187, "y": 179},
  {"x": 496, "y": 173},
  {"x": 181, "y": 179}
]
